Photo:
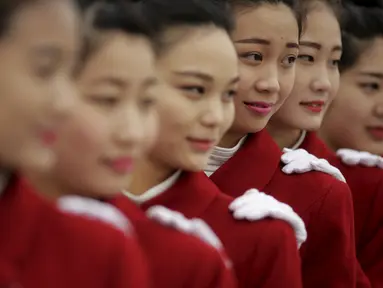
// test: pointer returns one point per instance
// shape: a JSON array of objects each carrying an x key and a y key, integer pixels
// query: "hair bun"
[{"x": 366, "y": 3}]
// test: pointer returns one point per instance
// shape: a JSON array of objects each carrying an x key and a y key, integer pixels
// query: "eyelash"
[
  {"x": 309, "y": 58},
  {"x": 370, "y": 87},
  {"x": 104, "y": 100},
  {"x": 290, "y": 58}
]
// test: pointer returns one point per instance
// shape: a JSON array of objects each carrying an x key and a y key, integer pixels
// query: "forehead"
[
  {"x": 267, "y": 21},
  {"x": 121, "y": 56},
  {"x": 205, "y": 49},
  {"x": 322, "y": 26},
  {"x": 40, "y": 21},
  {"x": 372, "y": 58}
]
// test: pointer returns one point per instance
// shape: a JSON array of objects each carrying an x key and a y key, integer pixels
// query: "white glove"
[
  {"x": 300, "y": 161},
  {"x": 255, "y": 205},
  {"x": 354, "y": 157},
  {"x": 194, "y": 226}
]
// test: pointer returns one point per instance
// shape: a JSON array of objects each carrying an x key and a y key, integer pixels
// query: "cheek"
[
  {"x": 286, "y": 82},
  {"x": 229, "y": 115},
  {"x": 247, "y": 78},
  {"x": 83, "y": 138}
]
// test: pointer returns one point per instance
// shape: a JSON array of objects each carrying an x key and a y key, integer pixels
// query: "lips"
[
  {"x": 376, "y": 132},
  {"x": 260, "y": 108},
  {"x": 313, "y": 106},
  {"x": 121, "y": 165},
  {"x": 200, "y": 144},
  {"x": 48, "y": 137}
]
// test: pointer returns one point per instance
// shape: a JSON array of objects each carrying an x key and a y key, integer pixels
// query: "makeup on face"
[
  {"x": 267, "y": 58},
  {"x": 198, "y": 107}
]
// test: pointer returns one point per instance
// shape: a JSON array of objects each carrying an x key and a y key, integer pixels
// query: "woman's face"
[
  {"x": 317, "y": 75},
  {"x": 199, "y": 76},
  {"x": 116, "y": 121},
  {"x": 355, "y": 118},
  {"x": 37, "y": 55},
  {"x": 266, "y": 41}
]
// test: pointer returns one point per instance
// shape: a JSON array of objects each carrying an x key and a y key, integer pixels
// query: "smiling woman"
[
  {"x": 355, "y": 119},
  {"x": 41, "y": 57},
  {"x": 317, "y": 75}
]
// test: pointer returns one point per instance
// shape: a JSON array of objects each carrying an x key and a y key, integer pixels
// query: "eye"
[
  {"x": 229, "y": 95},
  {"x": 252, "y": 57},
  {"x": 334, "y": 63},
  {"x": 46, "y": 71},
  {"x": 370, "y": 87},
  {"x": 306, "y": 58},
  {"x": 147, "y": 102},
  {"x": 194, "y": 90},
  {"x": 105, "y": 100},
  {"x": 289, "y": 61}
]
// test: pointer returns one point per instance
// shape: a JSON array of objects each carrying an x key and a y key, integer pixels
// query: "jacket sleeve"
[
  {"x": 370, "y": 252},
  {"x": 128, "y": 265},
  {"x": 212, "y": 269},
  {"x": 276, "y": 259},
  {"x": 329, "y": 259}
]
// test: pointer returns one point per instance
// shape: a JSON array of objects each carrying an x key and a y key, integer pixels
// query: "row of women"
[{"x": 193, "y": 143}]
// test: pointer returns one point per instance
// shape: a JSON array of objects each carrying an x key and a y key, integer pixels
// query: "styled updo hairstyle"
[
  {"x": 166, "y": 14},
  {"x": 360, "y": 27},
  {"x": 100, "y": 16},
  {"x": 295, "y": 6}
]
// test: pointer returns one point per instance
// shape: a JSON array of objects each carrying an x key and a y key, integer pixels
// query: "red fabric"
[
  {"x": 40, "y": 247},
  {"x": 264, "y": 253},
  {"x": 177, "y": 259},
  {"x": 366, "y": 184},
  {"x": 324, "y": 203}
]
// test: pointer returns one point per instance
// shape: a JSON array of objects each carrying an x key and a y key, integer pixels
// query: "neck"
[
  {"x": 285, "y": 137},
  {"x": 230, "y": 139},
  {"x": 149, "y": 173},
  {"x": 46, "y": 186}
]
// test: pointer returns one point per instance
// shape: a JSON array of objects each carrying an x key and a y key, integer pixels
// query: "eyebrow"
[
  {"x": 203, "y": 76},
  {"x": 318, "y": 46},
  {"x": 200, "y": 75},
  {"x": 264, "y": 42},
  {"x": 378, "y": 75},
  {"x": 47, "y": 51},
  {"x": 110, "y": 80}
]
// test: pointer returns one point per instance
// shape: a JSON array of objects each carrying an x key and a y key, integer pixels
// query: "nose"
[
  {"x": 64, "y": 97},
  {"x": 268, "y": 81},
  {"x": 378, "y": 109},
  {"x": 129, "y": 127},
  {"x": 321, "y": 84},
  {"x": 213, "y": 112}
]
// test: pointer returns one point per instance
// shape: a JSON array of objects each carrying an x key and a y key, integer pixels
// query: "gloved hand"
[
  {"x": 300, "y": 161},
  {"x": 354, "y": 157},
  {"x": 255, "y": 205}
]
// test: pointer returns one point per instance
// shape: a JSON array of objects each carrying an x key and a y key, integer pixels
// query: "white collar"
[
  {"x": 300, "y": 140},
  {"x": 154, "y": 191}
]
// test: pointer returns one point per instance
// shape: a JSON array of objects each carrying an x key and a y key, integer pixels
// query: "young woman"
[
  {"x": 114, "y": 124},
  {"x": 266, "y": 39},
  {"x": 317, "y": 80},
  {"x": 40, "y": 246},
  {"x": 357, "y": 110},
  {"x": 195, "y": 107}
]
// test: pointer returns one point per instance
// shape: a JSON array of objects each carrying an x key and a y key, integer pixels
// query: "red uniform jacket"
[
  {"x": 40, "y": 247},
  {"x": 177, "y": 260},
  {"x": 324, "y": 203},
  {"x": 264, "y": 253},
  {"x": 366, "y": 184}
]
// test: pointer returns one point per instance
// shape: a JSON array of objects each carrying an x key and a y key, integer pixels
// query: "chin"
[{"x": 198, "y": 163}]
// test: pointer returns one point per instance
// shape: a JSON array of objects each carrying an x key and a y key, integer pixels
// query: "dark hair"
[
  {"x": 8, "y": 8},
  {"x": 166, "y": 14},
  {"x": 360, "y": 27},
  {"x": 294, "y": 5},
  {"x": 106, "y": 15}
]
